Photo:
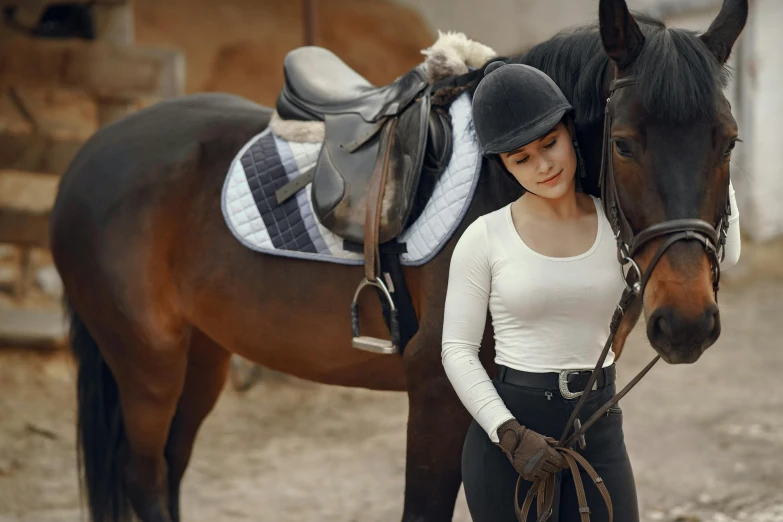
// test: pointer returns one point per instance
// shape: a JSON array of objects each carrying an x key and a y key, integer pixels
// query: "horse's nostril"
[
  {"x": 663, "y": 325},
  {"x": 659, "y": 329},
  {"x": 712, "y": 324}
]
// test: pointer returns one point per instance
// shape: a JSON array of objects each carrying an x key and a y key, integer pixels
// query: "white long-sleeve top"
[{"x": 548, "y": 313}]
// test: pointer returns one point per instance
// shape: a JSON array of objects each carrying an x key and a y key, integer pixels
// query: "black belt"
[{"x": 570, "y": 384}]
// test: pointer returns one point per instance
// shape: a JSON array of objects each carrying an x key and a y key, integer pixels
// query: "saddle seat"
[{"x": 317, "y": 82}]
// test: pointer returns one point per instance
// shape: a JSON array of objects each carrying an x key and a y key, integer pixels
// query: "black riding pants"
[{"x": 490, "y": 479}]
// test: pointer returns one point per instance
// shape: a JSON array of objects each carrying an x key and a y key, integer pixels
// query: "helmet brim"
[{"x": 527, "y": 135}]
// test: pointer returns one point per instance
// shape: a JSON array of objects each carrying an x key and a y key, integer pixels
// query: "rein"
[{"x": 713, "y": 238}]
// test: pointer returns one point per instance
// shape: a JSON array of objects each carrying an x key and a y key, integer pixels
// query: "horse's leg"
[
  {"x": 149, "y": 384},
  {"x": 208, "y": 366},
  {"x": 437, "y": 425}
]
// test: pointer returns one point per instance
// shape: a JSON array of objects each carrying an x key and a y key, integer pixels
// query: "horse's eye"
[
  {"x": 622, "y": 148},
  {"x": 729, "y": 149}
]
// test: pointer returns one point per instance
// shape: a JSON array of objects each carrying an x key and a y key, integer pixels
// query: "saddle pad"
[{"x": 268, "y": 162}]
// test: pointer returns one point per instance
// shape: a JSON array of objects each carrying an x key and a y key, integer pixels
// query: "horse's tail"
[{"x": 99, "y": 428}]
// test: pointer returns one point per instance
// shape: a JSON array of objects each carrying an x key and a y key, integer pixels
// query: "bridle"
[
  {"x": 712, "y": 237},
  {"x": 629, "y": 243}
]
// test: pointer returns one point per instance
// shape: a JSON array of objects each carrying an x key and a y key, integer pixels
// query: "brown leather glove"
[{"x": 531, "y": 454}]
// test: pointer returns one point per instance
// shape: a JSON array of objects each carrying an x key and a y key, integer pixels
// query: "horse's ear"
[
  {"x": 726, "y": 28},
  {"x": 620, "y": 34}
]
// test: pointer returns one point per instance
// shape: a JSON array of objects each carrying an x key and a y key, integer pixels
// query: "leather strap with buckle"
[{"x": 572, "y": 382}]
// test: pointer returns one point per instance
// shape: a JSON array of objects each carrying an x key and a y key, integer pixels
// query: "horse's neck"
[{"x": 493, "y": 192}]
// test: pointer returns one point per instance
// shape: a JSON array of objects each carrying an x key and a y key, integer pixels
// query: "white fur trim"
[
  {"x": 298, "y": 131},
  {"x": 453, "y": 53}
]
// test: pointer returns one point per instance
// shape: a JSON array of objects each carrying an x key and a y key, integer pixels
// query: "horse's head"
[{"x": 671, "y": 135}]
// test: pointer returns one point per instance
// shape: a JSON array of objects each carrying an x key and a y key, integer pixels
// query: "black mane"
[{"x": 679, "y": 79}]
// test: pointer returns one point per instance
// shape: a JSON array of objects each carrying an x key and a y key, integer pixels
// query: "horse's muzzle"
[{"x": 682, "y": 340}]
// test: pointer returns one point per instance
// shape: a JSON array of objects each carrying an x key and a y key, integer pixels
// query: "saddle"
[{"x": 378, "y": 140}]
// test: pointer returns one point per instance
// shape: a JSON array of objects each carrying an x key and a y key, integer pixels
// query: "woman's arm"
[
  {"x": 733, "y": 243},
  {"x": 463, "y": 328}
]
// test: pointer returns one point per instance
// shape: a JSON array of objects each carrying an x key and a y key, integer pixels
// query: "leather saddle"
[
  {"x": 389, "y": 129},
  {"x": 378, "y": 141}
]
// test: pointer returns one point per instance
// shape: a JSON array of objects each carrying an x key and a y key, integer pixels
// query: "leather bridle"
[{"x": 712, "y": 238}]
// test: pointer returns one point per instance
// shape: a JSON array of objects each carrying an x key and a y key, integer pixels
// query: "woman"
[{"x": 546, "y": 268}]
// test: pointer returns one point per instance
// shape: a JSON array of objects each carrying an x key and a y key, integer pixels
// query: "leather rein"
[{"x": 713, "y": 239}]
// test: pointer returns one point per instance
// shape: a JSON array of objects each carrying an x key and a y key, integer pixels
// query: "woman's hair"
[{"x": 580, "y": 173}]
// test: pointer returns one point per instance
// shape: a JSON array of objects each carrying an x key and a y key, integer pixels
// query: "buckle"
[{"x": 562, "y": 383}]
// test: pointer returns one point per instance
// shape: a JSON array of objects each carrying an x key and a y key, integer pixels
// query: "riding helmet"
[{"x": 515, "y": 104}]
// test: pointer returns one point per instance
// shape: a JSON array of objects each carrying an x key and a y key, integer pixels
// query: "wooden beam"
[
  {"x": 33, "y": 327},
  {"x": 12, "y": 120},
  {"x": 22, "y": 228},
  {"x": 310, "y": 22},
  {"x": 16, "y": 3},
  {"x": 31, "y": 192},
  {"x": 26, "y": 200},
  {"x": 114, "y": 23},
  {"x": 45, "y": 138},
  {"x": 103, "y": 70},
  {"x": 55, "y": 113},
  {"x": 36, "y": 153}
]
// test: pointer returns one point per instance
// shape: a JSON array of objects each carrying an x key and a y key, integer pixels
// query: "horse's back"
[
  {"x": 143, "y": 151},
  {"x": 162, "y": 134},
  {"x": 131, "y": 176}
]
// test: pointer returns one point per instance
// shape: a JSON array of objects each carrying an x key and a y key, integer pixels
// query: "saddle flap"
[
  {"x": 406, "y": 160},
  {"x": 342, "y": 178}
]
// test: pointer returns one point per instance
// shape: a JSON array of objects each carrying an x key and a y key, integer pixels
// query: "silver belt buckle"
[{"x": 562, "y": 383}]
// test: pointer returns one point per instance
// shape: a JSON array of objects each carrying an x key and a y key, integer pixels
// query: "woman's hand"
[{"x": 531, "y": 454}]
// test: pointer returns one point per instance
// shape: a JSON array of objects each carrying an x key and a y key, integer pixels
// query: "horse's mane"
[{"x": 679, "y": 79}]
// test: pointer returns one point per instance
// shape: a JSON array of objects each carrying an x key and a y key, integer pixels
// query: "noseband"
[{"x": 712, "y": 237}]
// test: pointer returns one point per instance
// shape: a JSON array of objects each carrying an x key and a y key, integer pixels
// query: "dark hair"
[{"x": 577, "y": 62}]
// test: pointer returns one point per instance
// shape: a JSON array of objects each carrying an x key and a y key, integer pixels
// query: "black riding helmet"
[{"x": 515, "y": 104}]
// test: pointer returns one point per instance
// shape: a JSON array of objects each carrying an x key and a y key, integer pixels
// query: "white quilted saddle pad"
[{"x": 268, "y": 162}]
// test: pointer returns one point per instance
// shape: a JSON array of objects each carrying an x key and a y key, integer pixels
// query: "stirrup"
[{"x": 372, "y": 344}]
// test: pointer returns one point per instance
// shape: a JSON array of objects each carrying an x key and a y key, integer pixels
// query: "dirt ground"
[{"x": 705, "y": 440}]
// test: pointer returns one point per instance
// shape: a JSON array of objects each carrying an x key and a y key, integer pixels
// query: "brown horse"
[{"x": 161, "y": 294}]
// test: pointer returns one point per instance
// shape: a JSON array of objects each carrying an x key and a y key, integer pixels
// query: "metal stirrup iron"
[{"x": 372, "y": 344}]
